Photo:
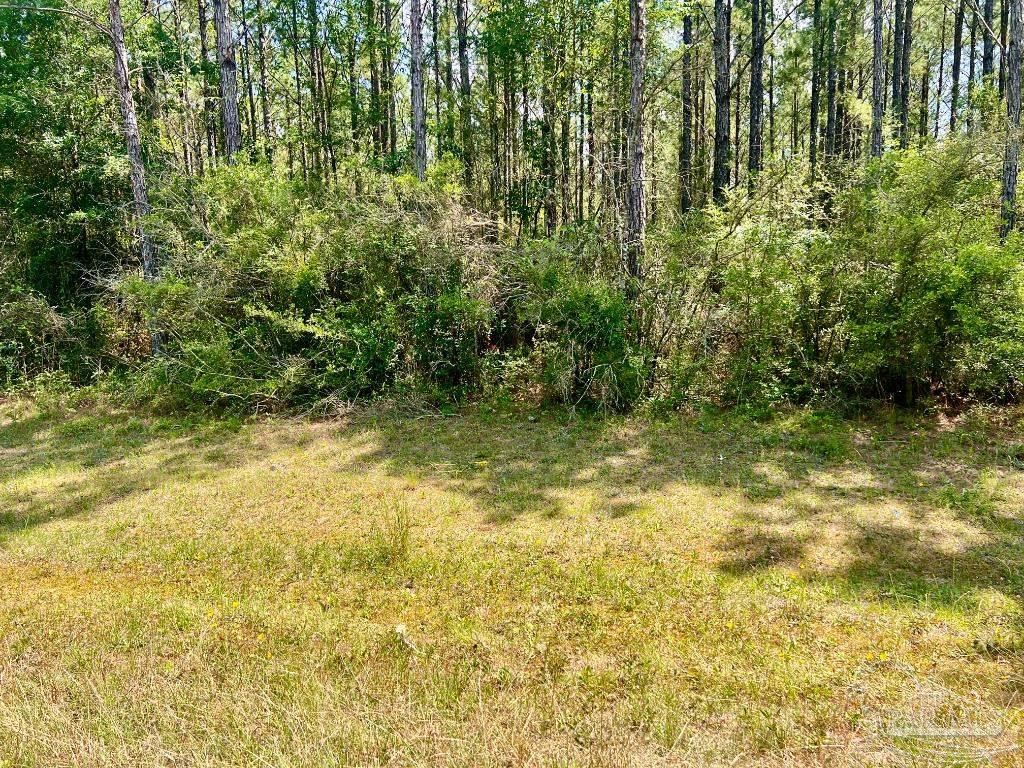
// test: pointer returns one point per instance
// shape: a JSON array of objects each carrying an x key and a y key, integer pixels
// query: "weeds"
[{"x": 500, "y": 587}]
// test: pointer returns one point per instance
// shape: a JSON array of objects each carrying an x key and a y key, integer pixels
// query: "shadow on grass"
[
  {"x": 55, "y": 467},
  {"x": 906, "y": 500},
  {"x": 898, "y": 494}
]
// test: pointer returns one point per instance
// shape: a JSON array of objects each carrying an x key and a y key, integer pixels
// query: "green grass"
[{"x": 490, "y": 590}]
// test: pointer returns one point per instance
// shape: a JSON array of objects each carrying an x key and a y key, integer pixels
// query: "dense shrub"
[
  {"x": 583, "y": 330},
  {"x": 271, "y": 295},
  {"x": 897, "y": 286},
  {"x": 30, "y": 334},
  {"x": 446, "y": 333}
]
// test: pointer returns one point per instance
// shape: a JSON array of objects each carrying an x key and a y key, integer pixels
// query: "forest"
[
  {"x": 264, "y": 204},
  {"x": 511, "y": 384}
]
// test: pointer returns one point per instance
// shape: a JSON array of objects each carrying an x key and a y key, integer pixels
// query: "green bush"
[
  {"x": 33, "y": 335},
  {"x": 446, "y": 336},
  {"x": 583, "y": 330},
  {"x": 272, "y": 294},
  {"x": 897, "y": 286}
]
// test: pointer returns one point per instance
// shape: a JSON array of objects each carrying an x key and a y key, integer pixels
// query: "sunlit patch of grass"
[{"x": 491, "y": 590}]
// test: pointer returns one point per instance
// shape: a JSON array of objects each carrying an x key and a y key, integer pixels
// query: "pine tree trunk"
[
  {"x": 908, "y": 30},
  {"x": 133, "y": 145},
  {"x": 878, "y": 79},
  {"x": 419, "y": 107},
  {"x": 435, "y": 55},
  {"x": 922, "y": 127},
  {"x": 581, "y": 144},
  {"x": 700, "y": 172},
  {"x": 355, "y": 123},
  {"x": 737, "y": 123},
  {"x": 315, "y": 98},
  {"x": 376, "y": 121},
  {"x": 897, "y": 62},
  {"x": 1004, "y": 23},
  {"x": 756, "y": 126},
  {"x": 228, "y": 88},
  {"x": 958, "y": 38},
  {"x": 591, "y": 149},
  {"x": 636, "y": 224},
  {"x": 971, "y": 65},
  {"x": 209, "y": 107},
  {"x": 614, "y": 163},
  {"x": 771, "y": 98},
  {"x": 815, "y": 85},
  {"x": 989, "y": 49},
  {"x": 720, "y": 170},
  {"x": 247, "y": 75},
  {"x": 449, "y": 77},
  {"x": 1013, "y": 109},
  {"x": 547, "y": 141},
  {"x": 261, "y": 31},
  {"x": 298, "y": 92},
  {"x": 942, "y": 69},
  {"x": 388, "y": 76},
  {"x": 830, "y": 88},
  {"x": 564, "y": 119},
  {"x": 186, "y": 102},
  {"x": 465, "y": 105},
  {"x": 686, "y": 137}
]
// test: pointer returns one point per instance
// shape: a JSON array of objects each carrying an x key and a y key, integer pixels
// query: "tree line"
[
  {"x": 559, "y": 110},
  {"x": 555, "y": 113}
]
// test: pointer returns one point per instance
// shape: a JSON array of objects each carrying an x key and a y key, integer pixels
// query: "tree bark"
[
  {"x": 298, "y": 91},
  {"x": 637, "y": 212},
  {"x": 971, "y": 66},
  {"x": 208, "y": 97},
  {"x": 720, "y": 170},
  {"x": 922, "y": 127},
  {"x": 465, "y": 105},
  {"x": 1004, "y": 23},
  {"x": 388, "y": 78},
  {"x": 376, "y": 121},
  {"x": 228, "y": 87},
  {"x": 877, "y": 82},
  {"x": 419, "y": 117},
  {"x": 317, "y": 147},
  {"x": 186, "y": 102},
  {"x": 686, "y": 136},
  {"x": 815, "y": 85},
  {"x": 547, "y": 140},
  {"x": 591, "y": 149},
  {"x": 756, "y": 125},
  {"x": 897, "y": 61},
  {"x": 908, "y": 30},
  {"x": 435, "y": 55},
  {"x": 449, "y": 77},
  {"x": 831, "y": 86},
  {"x": 942, "y": 69},
  {"x": 261, "y": 32},
  {"x": 958, "y": 38},
  {"x": 133, "y": 145},
  {"x": 1011, "y": 159},
  {"x": 737, "y": 124},
  {"x": 989, "y": 46},
  {"x": 247, "y": 76},
  {"x": 769, "y": 21},
  {"x": 354, "y": 110}
]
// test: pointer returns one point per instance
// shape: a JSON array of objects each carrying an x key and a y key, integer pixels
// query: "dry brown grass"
[{"x": 485, "y": 590}]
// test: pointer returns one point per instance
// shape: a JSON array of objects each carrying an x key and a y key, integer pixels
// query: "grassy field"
[{"x": 502, "y": 589}]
